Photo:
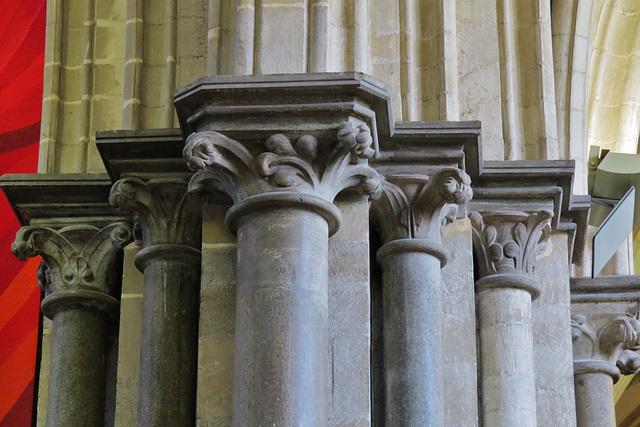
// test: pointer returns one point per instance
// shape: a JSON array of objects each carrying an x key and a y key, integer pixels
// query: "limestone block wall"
[
  {"x": 115, "y": 64},
  {"x": 614, "y": 98}
]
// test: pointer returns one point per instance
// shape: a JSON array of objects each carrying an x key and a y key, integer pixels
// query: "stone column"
[
  {"x": 170, "y": 221},
  {"x": 411, "y": 216},
  {"x": 283, "y": 214},
  {"x": 79, "y": 276},
  {"x": 606, "y": 336},
  {"x": 506, "y": 244}
]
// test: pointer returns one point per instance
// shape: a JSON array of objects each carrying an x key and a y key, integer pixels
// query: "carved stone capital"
[
  {"x": 606, "y": 343},
  {"x": 285, "y": 167},
  {"x": 79, "y": 264},
  {"x": 420, "y": 206},
  {"x": 508, "y": 242},
  {"x": 165, "y": 211}
]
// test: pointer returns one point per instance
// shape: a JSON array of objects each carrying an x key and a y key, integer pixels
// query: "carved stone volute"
[
  {"x": 76, "y": 257},
  {"x": 165, "y": 211},
  {"x": 606, "y": 343},
  {"x": 305, "y": 166},
  {"x": 509, "y": 242},
  {"x": 79, "y": 262},
  {"x": 420, "y": 206}
]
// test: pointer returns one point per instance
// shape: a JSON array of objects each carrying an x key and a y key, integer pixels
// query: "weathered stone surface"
[
  {"x": 217, "y": 328},
  {"x": 170, "y": 222},
  {"x": 349, "y": 312},
  {"x": 130, "y": 333},
  {"x": 606, "y": 337},
  {"x": 458, "y": 334},
  {"x": 79, "y": 277},
  {"x": 507, "y": 240},
  {"x": 551, "y": 320}
]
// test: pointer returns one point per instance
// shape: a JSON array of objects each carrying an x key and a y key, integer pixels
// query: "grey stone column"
[
  {"x": 79, "y": 276},
  {"x": 171, "y": 228},
  {"x": 283, "y": 214},
  {"x": 411, "y": 216},
  {"x": 606, "y": 336},
  {"x": 506, "y": 244}
]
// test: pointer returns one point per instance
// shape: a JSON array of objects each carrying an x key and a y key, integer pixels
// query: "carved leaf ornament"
[
  {"x": 225, "y": 165},
  {"x": 74, "y": 255},
  {"x": 615, "y": 340},
  {"x": 414, "y": 206},
  {"x": 510, "y": 242}
]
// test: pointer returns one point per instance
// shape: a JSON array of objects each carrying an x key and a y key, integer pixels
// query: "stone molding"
[
  {"x": 604, "y": 325},
  {"x": 79, "y": 263},
  {"x": 605, "y": 343},
  {"x": 167, "y": 213},
  {"x": 508, "y": 242},
  {"x": 307, "y": 174},
  {"x": 420, "y": 206}
]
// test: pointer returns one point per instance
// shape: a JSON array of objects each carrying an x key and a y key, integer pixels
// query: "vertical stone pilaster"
[
  {"x": 506, "y": 244},
  {"x": 411, "y": 216},
  {"x": 79, "y": 277},
  {"x": 283, "y": 215},
  {"x": 170, "y": 222}
]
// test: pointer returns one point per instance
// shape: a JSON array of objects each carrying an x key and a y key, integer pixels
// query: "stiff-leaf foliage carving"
[
  {"x": 165, "y": 211},
  {"x": 421, "y": 206},
  {"x": 225, "y": 165},
  {"x": 509, "y": 242},
  {"x": 610, "y": 338},
  {"x": 75, "y": 257}
]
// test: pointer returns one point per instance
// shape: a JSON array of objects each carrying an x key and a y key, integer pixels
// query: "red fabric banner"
[{"x": 22, "y": 36}]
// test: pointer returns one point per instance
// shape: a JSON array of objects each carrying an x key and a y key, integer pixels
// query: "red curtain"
[{"x": 22, "y": 34}]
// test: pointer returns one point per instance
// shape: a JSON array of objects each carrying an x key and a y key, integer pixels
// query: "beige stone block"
[
  {"x": 112, "y": 9},
  {"x": 214, "y": 422},
  {"x": 107, "y": 112},
  {"x": 106, "y": 77},
  {"x": 109, "y": 41},
  {"x": 355, "y": 219},
  {"x": 153, "y": 47},
  {"x": 215, "y": 377},
  {"x": 74, "y": 47},
  {"x": 281, "y": 40},
  {"x": 43, "y": 380},
  {"x": 190, "y": 69},
  {"x": 213, "y": 228},
  {"x": 127, "y": 402},
  {"x": 384, "y": 17},
  {"x": 130, "y": 336},
  {"x": 94, "y": 161},
  {"x": 551, "y": 319},
  {"x": 192, "y": 9},
  {"x": 192, "y": 35},
  {"x": 75, "y": 13}
]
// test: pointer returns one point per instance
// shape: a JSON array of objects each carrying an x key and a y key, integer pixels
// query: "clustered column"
[
  {"x": 79, "y": 276},
  {"x": 170, "y": 221},
  {"x": 411, "y": 216},
  {"x": 283, "y": 214},
  {"x": 506, "y": 245}
]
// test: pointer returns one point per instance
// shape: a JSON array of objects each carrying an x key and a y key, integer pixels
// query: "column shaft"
[
  {"x": 595, "y": 405},
  {"x": 506, "y": 350},
  {"x": 281, "y": 366},
  {"x": 77, "y": 374},
  {"x": 169, "y": 357},
  {"x": 411, "y": 330}
]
